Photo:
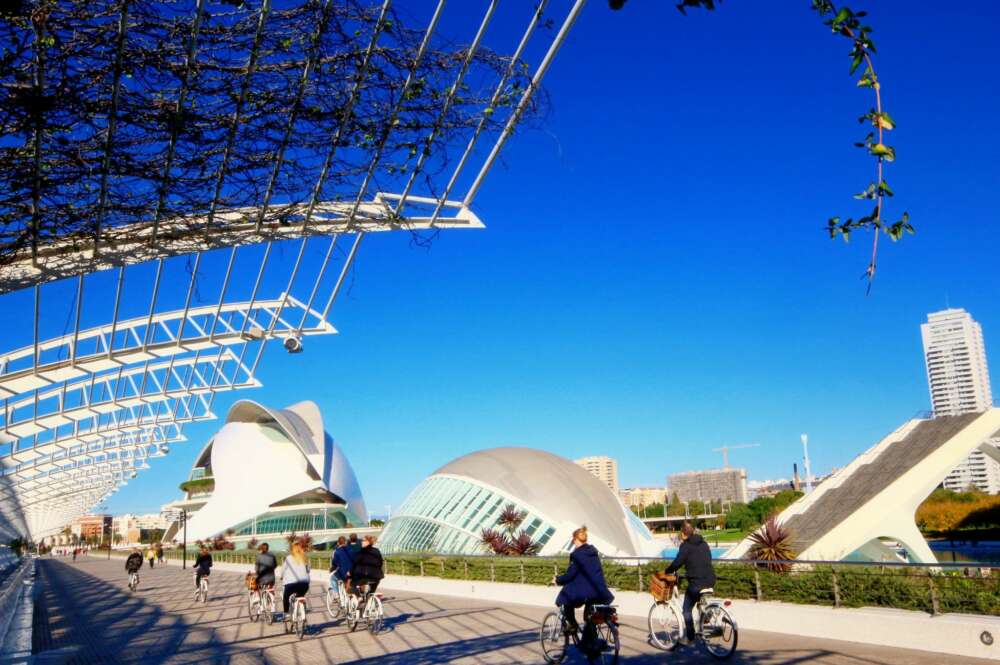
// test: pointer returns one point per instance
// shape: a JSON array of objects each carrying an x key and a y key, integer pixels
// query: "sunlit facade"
[{"x": 448, "y": 511}]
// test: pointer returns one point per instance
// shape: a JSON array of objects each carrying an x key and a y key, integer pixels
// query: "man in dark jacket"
[
  {"x": 695, "y": 556},
  {"x": 583, "y": 582},
  {"x": 367, "y": 567},
  {"x": 265, "y": 565},
  {"x": 342, "y": 560},
  {"x": 202, "y": 566}
]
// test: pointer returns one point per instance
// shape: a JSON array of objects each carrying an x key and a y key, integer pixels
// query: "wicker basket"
[
  {"x": 251, "y": 581},
  {"x": 661, "y": 586}
]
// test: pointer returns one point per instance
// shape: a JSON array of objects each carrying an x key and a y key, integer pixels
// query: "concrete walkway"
[{"x": 87, "y": 604}]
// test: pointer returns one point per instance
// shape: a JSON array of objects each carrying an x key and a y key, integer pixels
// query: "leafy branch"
[{"x": 847, "y": 23}]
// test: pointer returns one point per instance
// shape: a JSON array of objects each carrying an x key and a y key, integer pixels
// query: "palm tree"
[{"x": 510, "y": 519}]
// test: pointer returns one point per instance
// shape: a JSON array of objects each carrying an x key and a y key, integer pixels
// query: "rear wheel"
[
  {"x": 254, "y": 606},
  {"x": 607, "y": 635},
  {"x": 300, "y": 624},
  {"x": 377, "y": 618},
  {"x": 353, "y": 613},
  {"x": 554, "y": 641},
  {"x": 267, "y": 606},
  {"x": 718, "y": 632},
  {"x": 332, "y": 602},
  {"x": 665, "y": 626}
]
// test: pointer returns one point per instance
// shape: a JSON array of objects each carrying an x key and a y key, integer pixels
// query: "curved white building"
[
  {"x": 269, "y": 472},
  {"x": 448, "y": 511}
]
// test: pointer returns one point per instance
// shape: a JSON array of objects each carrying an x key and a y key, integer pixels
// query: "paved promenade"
[{"x": 88, "y": 604}]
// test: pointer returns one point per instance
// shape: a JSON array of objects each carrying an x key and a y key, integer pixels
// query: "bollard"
[
  {"x": 836, "y": 590},
  {"x": 493, "y": 571},
  {"x": 466, "y": 563},
  {"x": 421, "y": 567},
  {"x": 442, "y": 568},
  {"x": 756, "y": 583},
  {"x": 639, "y": 571},
  {"x": 522, "y": 572}
]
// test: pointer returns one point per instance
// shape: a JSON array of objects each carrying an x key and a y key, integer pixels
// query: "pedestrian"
[
  {"x": 159, "y": 554},
  {"x": 150, "y": 556}
]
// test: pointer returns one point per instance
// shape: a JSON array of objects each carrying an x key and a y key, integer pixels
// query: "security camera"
[
  {"x": 293, "y": 344},
  {"x": 133, "y": 474}
]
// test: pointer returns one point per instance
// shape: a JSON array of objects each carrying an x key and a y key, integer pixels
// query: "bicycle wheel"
[
  {"x": 665, "y": 626},
  {"x": 204, "y": 590},
  {"x": 332, "y": 602},
  {"x": 353, "y": 613},
  {"x": 377, "y": 618},
  {"x": 300, "y": 624},
  {"x": 553, "y": 639},
  {"x": 607, "y": 639},
  {"x": 267, "y": 607},
  {"x": 254, "y": 606},
  {"x": 718, "y": 632}
]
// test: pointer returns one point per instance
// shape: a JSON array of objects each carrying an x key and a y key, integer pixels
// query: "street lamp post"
[{"x": 184, "y": 545}]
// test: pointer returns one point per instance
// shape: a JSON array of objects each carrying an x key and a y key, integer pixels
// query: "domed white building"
[
  {"x": 270, "y": 472},
  {"x": 448, "y": 511}
]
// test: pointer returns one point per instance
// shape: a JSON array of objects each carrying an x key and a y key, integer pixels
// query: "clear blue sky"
[{"x": 655, "y": 280}]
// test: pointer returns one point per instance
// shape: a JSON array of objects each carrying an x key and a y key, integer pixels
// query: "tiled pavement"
[{"x": 88, "y": 604}]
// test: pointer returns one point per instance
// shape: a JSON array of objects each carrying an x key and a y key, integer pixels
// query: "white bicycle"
[
  {"x": 133, "y": 581},
  {"x": 367, "y": 609},
  {"x": 296, "y": 623},
  {"x": 336, "y": 597},
  {"x": 262, "y": 604},
  {"x": 201, "y": 593},
  {"x": 715, "y": 628}
]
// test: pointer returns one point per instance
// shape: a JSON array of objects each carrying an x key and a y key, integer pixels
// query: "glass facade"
[
  {"x": 299, "y": 522},
  {"x": 447, "y": 515}
]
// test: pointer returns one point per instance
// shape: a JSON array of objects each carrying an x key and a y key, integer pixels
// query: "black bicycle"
[{"x": 597, "y": 639}]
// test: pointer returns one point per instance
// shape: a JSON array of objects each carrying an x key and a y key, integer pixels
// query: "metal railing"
[{"x": 10, "y": 594}]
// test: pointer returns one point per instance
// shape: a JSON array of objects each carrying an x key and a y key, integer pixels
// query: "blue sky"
[{"x": 654, "y": 280}]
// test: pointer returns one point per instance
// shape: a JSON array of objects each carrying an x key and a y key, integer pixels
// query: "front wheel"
[
  {"x": 665, "y": 626},
  {"x": 718, "y": 632},
  {"x": 554, "y": 641}
]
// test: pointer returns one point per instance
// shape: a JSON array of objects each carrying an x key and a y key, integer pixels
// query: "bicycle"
[
  {"x": 133, "y": 581},
  {"x": 260, "y": 603},
  {"x": 600, "y": 621},
  {"x": 336, "y": 597},
  {"x": 297, "y": 621},
  {"x": 367, "y": 609},
  {"x": 715, "y": 628},
  {"x": 201, "y": 593}
]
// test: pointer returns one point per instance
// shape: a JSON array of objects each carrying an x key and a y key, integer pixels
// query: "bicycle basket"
[
  {"x": 661, "y": 586},
  {"x": 251, "y": 581}
]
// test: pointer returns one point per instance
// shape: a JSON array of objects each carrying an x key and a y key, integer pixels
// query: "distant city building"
[
  {"x": 709, "y": 485},
  {"x": 959, "y": 383},
  {"x": 134, "y": 529},
  {"x": 605, "y": 468},
  {"x": 450, "y": 510},
  {"x": 643, "y": 496},
  {"x": 90, "y": 526}
]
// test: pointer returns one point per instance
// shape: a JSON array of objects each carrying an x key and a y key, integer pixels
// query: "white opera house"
[{"x": 269, "y": 473}]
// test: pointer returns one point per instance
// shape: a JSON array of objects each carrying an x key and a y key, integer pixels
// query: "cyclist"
[
  {"x": 695, "y": 557},
  {"x": 294, "y": 576},
  {"x": 583, "y": 582},
  {"x": 134, "y": 561},
  {"x": 266, "y": 563},
  {"x": 340, "y": 562},
  {"x": 367, "y": 567},
  {"x": 202, "y": 567}
]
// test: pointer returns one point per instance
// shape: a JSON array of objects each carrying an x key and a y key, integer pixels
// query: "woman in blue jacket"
[{"x": 583, "y": 582}]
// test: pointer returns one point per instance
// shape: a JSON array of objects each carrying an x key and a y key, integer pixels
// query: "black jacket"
[
  {"x": 695, "y": 556},
  {"x": 266, "y": 563},
  {"x": 203, "y": 563},
  {"x": 583, "y": 582},
  {"x": 133, "y": 562},
  {"x": 367, "y": 564}
]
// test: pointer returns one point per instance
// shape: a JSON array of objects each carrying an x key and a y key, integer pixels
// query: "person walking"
[{"x": 151, "y": 557}]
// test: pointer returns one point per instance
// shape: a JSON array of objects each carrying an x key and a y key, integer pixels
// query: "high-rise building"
[
  {"x": 635, "y": 497},
  {"x": 710, "y": 485},
  {"x": 605, "y": 468},
  {"x": 959, "y": 382}
]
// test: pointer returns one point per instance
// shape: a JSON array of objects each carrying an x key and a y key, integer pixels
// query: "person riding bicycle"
[
  {"x": 367, "y": 567},
  {"x": 695, "y": 557},
  {"x": 294, "y": 576},
  {"x": 202, "y": 566},
  {"x": 266, "y": 563},
  {"x": 340, "y": 562},
  {"x": 583, "y": 582},
  {"x": 134, "y": 561}
]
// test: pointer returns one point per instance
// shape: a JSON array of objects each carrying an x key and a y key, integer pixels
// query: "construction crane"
[{"x": 725, "y": 451}]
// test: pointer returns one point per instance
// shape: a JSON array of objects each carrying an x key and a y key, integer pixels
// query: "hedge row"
[{"x": 838, "y": 586}]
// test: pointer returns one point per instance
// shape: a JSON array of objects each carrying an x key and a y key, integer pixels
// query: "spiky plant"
[
  {"x": 523, "y": 545},
  {"x": 771, "y": 544},
  {"x": 252, "y": 544},
  {"x": 494, "y": 541},
  {"x": 510, "y": 519}
]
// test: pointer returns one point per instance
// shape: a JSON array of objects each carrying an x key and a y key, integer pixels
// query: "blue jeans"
[{"x": 691, "y": 598}]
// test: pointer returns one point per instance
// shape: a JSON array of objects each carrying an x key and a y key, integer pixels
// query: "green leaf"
[
  {"x": 883, "y": 188},
  {"x": 858, "y": 59},
  {"x": 884, "y": 151}
]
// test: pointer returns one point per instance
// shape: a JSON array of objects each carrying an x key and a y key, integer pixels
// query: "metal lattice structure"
[{"x": 154, "y": 151}]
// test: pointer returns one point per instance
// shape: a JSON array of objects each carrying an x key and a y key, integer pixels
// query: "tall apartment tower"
[
  {"x": 605, "y": 468},
  {"x": 959, "y": 382}
]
